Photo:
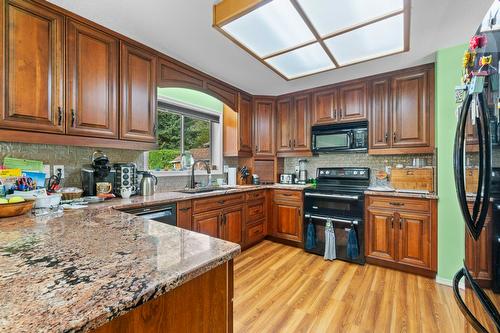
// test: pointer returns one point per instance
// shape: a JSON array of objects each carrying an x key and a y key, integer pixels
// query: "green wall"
[
  {"x": 192, "y": 97},
  {"x": 451, "y": 228}
]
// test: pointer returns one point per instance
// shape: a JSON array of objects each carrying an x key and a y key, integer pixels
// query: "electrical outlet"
[
  {"x": 57, "y": 167},
  {"x": 46, "y": 169},
  {"x": 297, "y": 169}
]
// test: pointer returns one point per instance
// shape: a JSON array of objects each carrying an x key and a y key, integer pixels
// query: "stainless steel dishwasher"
[{"x": 161, "y": 213}]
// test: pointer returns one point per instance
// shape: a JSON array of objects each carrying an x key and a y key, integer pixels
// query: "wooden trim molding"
[
  {"x": 230, "y": 10},
  {"x": 72, "y": 140}
]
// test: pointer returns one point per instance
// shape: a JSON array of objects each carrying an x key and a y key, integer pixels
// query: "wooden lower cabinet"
[
  {"x": 404, "y": 236},
  {"x": 208, "y": 223},
  {"x": 184, "y": 215},
  {"x": 478, "y": 254},
  {"x": 287, "y": 216},
  {"x": 232, "y": 224}
]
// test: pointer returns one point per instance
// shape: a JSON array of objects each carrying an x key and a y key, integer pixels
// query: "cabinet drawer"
[
  {"x": 255, "y": 195},
  {"x": 421, "y": 205},
  {"x": 255, "y": 232},
  {"x": 287, "y": 195},
  {"x": 217, "y": 202},
  {"x": 256, "y": 211}
]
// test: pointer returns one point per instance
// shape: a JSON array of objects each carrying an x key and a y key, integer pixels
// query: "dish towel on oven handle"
[
  {"x": 330, "y": 251},
  {"x": 352, "y": 244},
  {"x": 310, "y": 236}
]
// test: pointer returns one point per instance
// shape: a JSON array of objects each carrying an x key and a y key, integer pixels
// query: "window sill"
[{"x": 183, "y": 173}]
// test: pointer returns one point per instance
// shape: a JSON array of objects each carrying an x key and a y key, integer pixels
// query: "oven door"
[{"x": 347, "y": 206}]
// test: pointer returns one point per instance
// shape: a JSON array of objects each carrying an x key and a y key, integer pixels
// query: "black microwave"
[{"x": 340, "y": 137}]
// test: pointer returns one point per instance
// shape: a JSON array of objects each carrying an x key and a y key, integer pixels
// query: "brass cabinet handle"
[
  {"x": 294, "y": 142},
  {"x": 59, "y": 116},
  {"x": 334, "y": 113},
  {"x": 392, "y": 221},
  {"x": 221, "y": 202},
  {"x": 256, "y": 148},
  {"x": 400, "y": 223},
  {"x": 394, "y": 137},
  {"x": 73, "y": 118},
  {"x": 396, "y": 204},
  {"x": 184, "y": 209},
  {"x": 386, "y": 137},
  {"x": 154, "y": 129},
  {"x": 289, "y": 143}
]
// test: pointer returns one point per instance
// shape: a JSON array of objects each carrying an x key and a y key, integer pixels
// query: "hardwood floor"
[{"x": 283, "y": 289}]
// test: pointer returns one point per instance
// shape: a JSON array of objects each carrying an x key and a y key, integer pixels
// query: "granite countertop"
[
  {"x": 76, "y": 271},
  {"x": 173, "y": 196},
  {"x": 432, "y": 196}
]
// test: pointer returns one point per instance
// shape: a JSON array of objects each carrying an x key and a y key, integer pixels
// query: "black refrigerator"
[{"x": 477, "y": 170}]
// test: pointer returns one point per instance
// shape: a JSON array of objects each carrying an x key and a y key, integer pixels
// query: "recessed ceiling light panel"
[
  {"x": 271, "y": 28},
  {"x": 303, "y": 61},
  {"x": 371, "y": 41},
  {"x": 332, "y": 16},
  {"x": 296, "y": 38}
]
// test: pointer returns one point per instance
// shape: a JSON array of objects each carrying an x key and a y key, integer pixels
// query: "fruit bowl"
[{"x": 15, "y": 209}]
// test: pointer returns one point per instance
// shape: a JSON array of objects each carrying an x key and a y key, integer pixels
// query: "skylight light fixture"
[{"x": 296, "y": 38}]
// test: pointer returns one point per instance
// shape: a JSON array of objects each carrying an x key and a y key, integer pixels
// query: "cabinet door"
[
  {"x": 287, "y": 221},
  {"x": 264, "y": 127},
  {"x": 380, "y": 235},
  {"x": 380, "y": 120},
  {"x": 352, "y": 102},
  {"x": 208, "y": 223},
  {"x": 284, "y": 125},
  {"x": 32, "y": 95},
  {"x": 92, "y": 82},
  {"x": 184, "y": 215},
  {"x": 233, "y": 224},
  {"x": 138, "y": 94},
  {"x": 478, "y": 255},
  {"x": 414, "y": 241},
  {"x": 302, "y": 123},
  {"x": 325, "y": 107},
  {"x": 245, "y": 123},
  {"x": 411, "y": 123}
]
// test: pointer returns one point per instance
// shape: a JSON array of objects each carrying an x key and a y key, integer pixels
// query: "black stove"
[{"x": 338, "y": 198}]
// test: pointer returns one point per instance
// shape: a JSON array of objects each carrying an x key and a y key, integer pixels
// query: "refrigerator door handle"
[
  {"x": 481, "y": 295},
  {"x": 475, "y": 222}
]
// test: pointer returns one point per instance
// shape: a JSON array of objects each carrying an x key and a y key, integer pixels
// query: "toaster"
[{"x": 287, "y": 178}]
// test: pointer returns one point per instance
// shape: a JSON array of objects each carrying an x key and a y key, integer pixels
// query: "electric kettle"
[{"x": 148, "y": 183}]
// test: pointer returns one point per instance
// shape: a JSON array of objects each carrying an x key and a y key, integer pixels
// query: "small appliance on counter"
[
  {"x": 255, "y": 179},
  {"x": 125, "y": 178},
  {"x": 287, "y": 178},
  {"x": 302, "y": 172},
  {"x": 148, "y": 183},
  {"x": 99, "y": 171}
]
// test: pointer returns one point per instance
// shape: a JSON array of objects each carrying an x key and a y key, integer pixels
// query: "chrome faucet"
[{"x": 209, "y": 173}]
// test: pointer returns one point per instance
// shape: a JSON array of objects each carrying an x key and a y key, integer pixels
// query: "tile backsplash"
[
  {"x": 70, "y": 156},
  {"x": 374, "y": 162}
]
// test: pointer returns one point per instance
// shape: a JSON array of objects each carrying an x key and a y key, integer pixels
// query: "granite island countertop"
[{"x": 79, "y": 270}]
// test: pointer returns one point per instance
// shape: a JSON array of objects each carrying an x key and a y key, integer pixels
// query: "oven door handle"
[
  {"x": 333, "y": 196},
  {"x": 317, "y": 217}
]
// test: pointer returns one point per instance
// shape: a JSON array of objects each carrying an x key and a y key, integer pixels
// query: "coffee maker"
[{"x": 98, "y": 171}]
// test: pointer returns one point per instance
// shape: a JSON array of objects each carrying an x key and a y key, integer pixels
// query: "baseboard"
[{"x": 448, "y": 282}]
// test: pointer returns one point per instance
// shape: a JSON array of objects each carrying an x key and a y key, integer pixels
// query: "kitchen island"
[{"x": 100, "y": 269}]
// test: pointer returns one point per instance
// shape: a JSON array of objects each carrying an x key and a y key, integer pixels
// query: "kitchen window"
[{"x": 186, "y": 133}]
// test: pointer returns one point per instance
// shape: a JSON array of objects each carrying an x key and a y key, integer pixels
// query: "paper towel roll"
[{"x": 231, "y": 176}]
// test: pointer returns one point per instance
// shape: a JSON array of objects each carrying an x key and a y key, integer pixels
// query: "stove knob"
[
  {"x": 327, "y": 172},
  {"x": 321, "y": 172},
  {"x": 361, "y": 172},
  {"x": 355, "y": 172}
]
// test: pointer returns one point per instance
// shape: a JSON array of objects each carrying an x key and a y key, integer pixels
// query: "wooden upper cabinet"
[
  {"x": 32, "y": 95},
  {"x": 302, "y": 123},
  {"x": 284, "y": 125},
  {"x": 380, "y": 115},
  {"x": 245, "y": 123},
  {"x": 325, "y": 107},
  {"x": 264, "y": 125},
  {"x": 92, "y": 82},
  {"x": 411, "y": 114},
  {"x": 353, "y": 100},
  {"x": 138, "y": 94}
]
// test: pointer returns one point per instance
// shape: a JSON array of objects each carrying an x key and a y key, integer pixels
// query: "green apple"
[{"x": 16, "y": 200}]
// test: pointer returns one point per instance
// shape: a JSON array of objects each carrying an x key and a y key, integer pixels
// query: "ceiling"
[{"x": 183, "y": 30}]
